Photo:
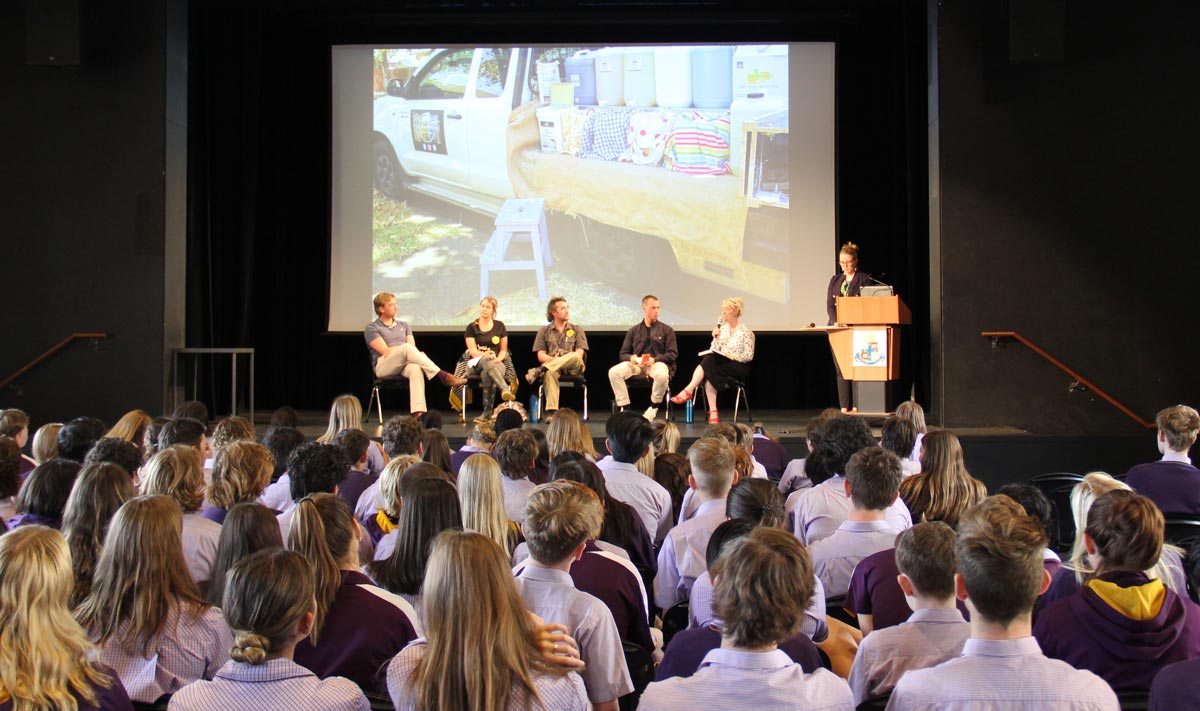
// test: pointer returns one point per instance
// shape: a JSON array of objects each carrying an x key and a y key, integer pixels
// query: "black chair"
[
  {"x": 879, "y": 703},
  {"x": 1134, "y": 700},
  {"x": 641, "y": 671},
  {"x": 384, "y": 384},
  {"x": 1057, "y": 487},
  {"x": 740, "y": 396},
  {"x": 379, "y": 702},
  {"x": 674, "y": 620},
  {"x": 461, "y": 391},
  {"x": 645, "y": 382},
  {"x": 159, "y": 705},
  {"x": 1180, "y": 527},
  {"x": 834, "y": 608},
  {"x": 566, "y": 381}
]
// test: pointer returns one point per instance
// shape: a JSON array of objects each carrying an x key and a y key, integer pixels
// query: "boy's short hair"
[
  {"x": 723, "y": 537},
  {"x": 763, "y": 583},
  {"x": 117, "y": 451},
  {"x": 1179, "y": 424},
  {"x": 712, "y": 461},
  {"x": 898, "y": 436},
  {"x": 628, "y": 434},
  {"x": 874, "y": 476},
  {"x": 183, "y": 430},
  {"x": 925, "y": 553},
  {"x": 315, "y": 469},
  {"x": 515, "y": 451},
  {"x": 999, "y": 552},
  {"x": 354, "y": 444},
  {"x": 1033, "y": 501},
  {"x": 558, "y": 517},
  {"x": 402, "y": 435}
]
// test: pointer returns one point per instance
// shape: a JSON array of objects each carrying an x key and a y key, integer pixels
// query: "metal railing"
[{"x": 46, "y": 356}]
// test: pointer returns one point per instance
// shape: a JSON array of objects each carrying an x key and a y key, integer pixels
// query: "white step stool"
[{"x": 521, "y": 219}]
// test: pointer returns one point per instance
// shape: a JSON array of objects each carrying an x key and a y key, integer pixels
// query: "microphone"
[{"x": 876, "y": 280}]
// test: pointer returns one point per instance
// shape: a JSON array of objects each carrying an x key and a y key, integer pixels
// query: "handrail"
[
  {"x": 55, "y": 349},
  {"x": 997, "y": 335}
]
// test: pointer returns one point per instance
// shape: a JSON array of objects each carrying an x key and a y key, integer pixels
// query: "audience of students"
[
  {"x": 99, "y": 491},
  {"x": 1172, "y": 482},
  {"x": 280, "y": 442},
  {"x": 43, "y": 496},
  {"x": 114, "y": 450},
  {"x": 482, "y": 500},
  {"x": 628, "y": 437},
  {"x": 249, "y": 528},
  {"x": 354, "y": 445},
  {"x": 944, "y": 486},
  {"x": 346, "y": 414},
  {"x": 176, "y": 472},
  {"x": 515, "y": 452},
  {"x": 435, "y": 449},
  {"x": 430, "y": 506},
  {"x": 241, "y": 472},
  {"x": 480, "y": 440}
]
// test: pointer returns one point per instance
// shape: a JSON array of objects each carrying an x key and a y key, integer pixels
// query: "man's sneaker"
[
  {"x": 650, "y": 413},
  {"x": 533, "y": 374},
  {"x": 507, "y": 395}
]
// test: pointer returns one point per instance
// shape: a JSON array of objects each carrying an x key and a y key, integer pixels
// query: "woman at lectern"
[{"x": 849, "y": 283}]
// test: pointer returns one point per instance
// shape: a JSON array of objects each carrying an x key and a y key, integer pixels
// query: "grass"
[{"x": 400, "y": 231}]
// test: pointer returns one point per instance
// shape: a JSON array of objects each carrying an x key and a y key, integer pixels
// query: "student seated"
[
  {"x": 515, "y": 451},
  {"x": 1172, "y": 482},
  {"x": 241, "y": 471},
  {"x": 281, "y": 442},
  {"x": 355, "y": 445},
  {"x": 1122, "y": 624},
  {"x": 682, "y": 557},
  {"x": 268, "y": 603},
  {"x": 1176, "y": 687},
  {"x": 763, "y": 584},
  {"x": 176, "y": 472},
  {"x": 249, "y": 528},
  {"x": 1000, "y": 574},
  {"x": 689, "y": 647},
  {"x": 474, "y": 609},
  {"x": 559, "y": 517},
  {"x": 46, "y": 660},
  {"x": 430, "y": 507},
  {"x": 872, "y": 482},
  {"x": 935, "y": 632},
  {"x": 145, "y": 611},
  {"x": 43, "y": 496},
  {"x": 99, "y": 491}
]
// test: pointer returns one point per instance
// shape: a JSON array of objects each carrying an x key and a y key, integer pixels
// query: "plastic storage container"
[
  {"x": 743, "y": 110},
  {"x": 673, "y": 77},
  {"x": 638, "y": 64},
  {"x": 547, "y": 75},
  {"x": 760, "y": 68},
  {"x": 610, "y": 89},
  {"x": 712, "y": 77},
  {"x": 581, "y": 72}
]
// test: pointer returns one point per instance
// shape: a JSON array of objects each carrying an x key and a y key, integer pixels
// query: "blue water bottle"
[
  {"x": 687, "y": 416},
  {"x": 533, "y": 407}
]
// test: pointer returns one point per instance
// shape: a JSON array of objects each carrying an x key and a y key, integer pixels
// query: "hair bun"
[{"x": 250, "y": 648}]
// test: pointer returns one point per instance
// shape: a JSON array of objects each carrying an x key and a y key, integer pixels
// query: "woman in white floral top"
[{"x": 727, "y": 359}]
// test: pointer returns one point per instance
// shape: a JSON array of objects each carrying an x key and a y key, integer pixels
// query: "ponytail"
[{"x": 322, "y": 531}]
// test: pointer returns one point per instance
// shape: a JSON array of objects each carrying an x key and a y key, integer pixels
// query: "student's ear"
[
  {"x": 906, "y": 585},
  {"x": 358, "y": 532},
  {"x": 304, "y": 625},
  {"x": 960, "y": 587},
  {"x": 579, "y": 549},
  {"x": 1045, "y": 581},
  {"x": 608, "y": 445},
  {"x": 691, "y": 482},
  {"x": 846, "y": 486},
  {"x": 1089, "y": 544},
  {"x": 647, "y": 451}
]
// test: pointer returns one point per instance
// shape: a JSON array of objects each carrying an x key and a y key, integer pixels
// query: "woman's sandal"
[
  {"x": 712, "y": 417},
  {"x": 682, "y": 397}
]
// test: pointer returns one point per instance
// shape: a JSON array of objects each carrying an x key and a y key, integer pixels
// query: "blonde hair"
[
  {"x": 666, "y": 437},
  {"x": 230, "y": 430},
  {"x": 241, "y": 471},
  {"x": 176, "y": 472},
  {"x": 944, "y": 489},
  {"x": 482, "y": 498},
  {"x": 344, "y": 414},
  {"x": 850, "y": 250},
  {"x": 44, "y": 653},
  {"x": 45, "y": 442},
  {"x": 566, "y": 432},
  {"x": 266, "y": 594},
  {"x": 389, "y": 483},
  {"x": 480, "y": 650},
  {"x": 558, "y": 517},
  {"x": 912, "y": 411},
  {"x": 1179, "y": 425},
  {"x": 323, "y": 532},
  {"x": 645, "y": 463},
  {"x": 131, "y": 427},
  {"x": 141, "y": 577},
  {"x": 712, "y": 460},
  {"x": 735, "y": 303}
]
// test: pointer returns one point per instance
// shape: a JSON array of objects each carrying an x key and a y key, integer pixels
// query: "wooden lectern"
[{"x": 866, "y": 345}]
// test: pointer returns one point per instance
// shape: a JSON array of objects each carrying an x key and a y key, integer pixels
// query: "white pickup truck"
[{"x": 463, "y": 129}]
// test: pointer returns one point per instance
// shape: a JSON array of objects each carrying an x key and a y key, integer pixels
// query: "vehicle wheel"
[
  {"x": 617, "y": 255},
  {"x": 389, "y": 176}
]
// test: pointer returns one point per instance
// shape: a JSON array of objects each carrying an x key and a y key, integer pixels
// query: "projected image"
[{"x": 597, "y": 173}]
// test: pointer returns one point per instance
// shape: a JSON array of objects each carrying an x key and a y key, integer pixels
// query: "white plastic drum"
[
  {"x": 673, "y": 77},
  {"x": 639, "y": 76},
  {"x": 712, "y": 77},
  {"x": 610, "y": 70},
  {"x": 581, "y": 72}
]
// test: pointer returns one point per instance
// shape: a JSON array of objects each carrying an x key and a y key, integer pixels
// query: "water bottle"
[
  {"x": 533, "y": 407},
  {"x": 687, "y": 416}
]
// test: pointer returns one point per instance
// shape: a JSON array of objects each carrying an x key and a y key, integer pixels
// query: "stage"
[{"x": 995, "y": 455}]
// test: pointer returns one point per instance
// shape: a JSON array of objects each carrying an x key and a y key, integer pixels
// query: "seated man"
[
  {"x": 1000, "y": 574},
  {"x": 682, "y": 556},
  {"x": 394, "y": 352},
  {"x": 558, "y": 519},
  {"x": 648, "y": 349},
  {"x": 763, "y": 584},
  {"x": 1172, "y": 482},
  {"x": 560, "y": 346},
  {"x": 935, "y": 632},
  {"x": 872, "y": 483}
]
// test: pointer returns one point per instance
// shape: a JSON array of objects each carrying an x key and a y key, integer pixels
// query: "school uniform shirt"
[
  {"x": 278, "y": 495},
  {"x": 682, "y": 557},
  {"x": 771, "y": 454},
  {"x": 1002, "y": 675},
  {"x": 1172, "y": 483},
  {"x": 188, "y": 649},
  {"x": 365, "y": 627},
  {"x": 1177, "y": 687},
  {"x": 551, "y": 595},
  {"x": 355, "y": 483},
  {"x": 463, "y": 454},
  {"x": 874, "y": 591},
  {"x": 112, "y": 698},
  {"x": 834, "y": 557},
  {"x": 1123, "y": 626},
  {"x": 615, "y": 582},
  {"x": 275, "y": 685},
  {"x": 734, "y": 680},
  {"x": 200, "y": 539},
  {"x": 369, "y": 503},
  {"x": 821, "y": 509},
  {"x": 558, "y": 693},
  {"x": 516, "y": 493},
  {"x": 648, "y": 498},
  {"x": 929, "y": 638},
  {"x": 700, "y": 609},
  {"x": 687, "y": 651}
]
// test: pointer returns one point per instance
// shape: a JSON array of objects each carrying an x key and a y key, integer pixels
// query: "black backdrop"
[{"x": 259, "y": 180}]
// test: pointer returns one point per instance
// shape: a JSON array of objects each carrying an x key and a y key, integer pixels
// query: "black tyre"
[{"x": 389, "y": 176}]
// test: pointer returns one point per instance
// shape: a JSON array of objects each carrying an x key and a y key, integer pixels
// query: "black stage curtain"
[{"x": 259, "y": 157}]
